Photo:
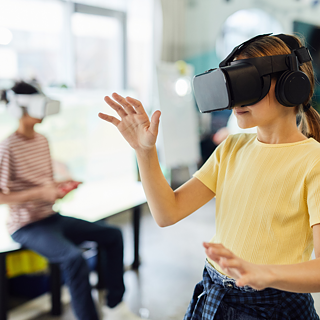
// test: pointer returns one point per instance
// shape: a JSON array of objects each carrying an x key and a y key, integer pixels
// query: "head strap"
[
  {"x": 302, "y": 53},
  {"x": 238, "y": 48},
  {"x": 290, "y": 41}
]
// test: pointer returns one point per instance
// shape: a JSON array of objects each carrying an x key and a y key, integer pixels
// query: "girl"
[{"x": 267, "y": 201}]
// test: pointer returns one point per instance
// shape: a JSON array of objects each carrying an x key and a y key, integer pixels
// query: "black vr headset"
[{"x": 247, "y": 81}]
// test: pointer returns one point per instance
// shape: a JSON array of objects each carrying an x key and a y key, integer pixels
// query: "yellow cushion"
[{"x": 24, "y": 262}]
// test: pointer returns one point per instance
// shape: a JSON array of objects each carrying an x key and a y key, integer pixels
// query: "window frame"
[{"x": 122, "y": 18}]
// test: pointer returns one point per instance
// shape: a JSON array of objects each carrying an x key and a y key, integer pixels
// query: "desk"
[
  {"x": 99, "y": 200},
  {"x": 92, "y": 202}
]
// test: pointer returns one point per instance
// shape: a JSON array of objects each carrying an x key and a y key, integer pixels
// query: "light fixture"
[
  {"x": 182, "y": 87},
  {"x": 5, "y": 36}
]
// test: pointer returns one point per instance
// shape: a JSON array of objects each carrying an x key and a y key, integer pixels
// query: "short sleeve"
[
  {"x": 313, "y": 194},
  {"x": 208, "y": 173},
  {"x": 5, "y": 168}
]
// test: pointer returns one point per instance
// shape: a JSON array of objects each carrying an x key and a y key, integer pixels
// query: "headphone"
[{"x": 293, "y": 86}]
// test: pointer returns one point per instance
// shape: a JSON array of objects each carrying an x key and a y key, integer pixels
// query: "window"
[
  {"x": 243, "y": 25},
  {"x": 99, "y": 50},
  {"x": 84, "y": 48},
  {"x": 35, "y": 48}
]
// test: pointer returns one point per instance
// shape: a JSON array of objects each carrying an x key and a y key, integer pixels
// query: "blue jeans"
[
  {"x": 225, "y": 311},
  {"x": 57, "y": 238}
]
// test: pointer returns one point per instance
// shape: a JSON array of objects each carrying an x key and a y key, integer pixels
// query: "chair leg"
[
  {"x": 3, "y": 288},
  {"x": 136, "y": 237},
  {"x": 55, "y": 279}
]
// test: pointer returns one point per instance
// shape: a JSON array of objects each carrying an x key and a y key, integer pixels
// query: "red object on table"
[{"x": 69, "y": 186}]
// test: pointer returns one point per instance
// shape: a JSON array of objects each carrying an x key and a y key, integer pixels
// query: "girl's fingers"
[
  {"x": 127, "y": 106},
  {"x": 115, "y": 106},
  {"x": 219, "y": 250},
  {"x": 232, "y": 263},
  {"x": 137, "y": 105},
  {"x": 243, "y": 281},
  {"x": 154, "y": 123},
  {"x": 206, "y": 244},
  {"x": 108, "y": 118},
  {"x": 213, "y": 245}
]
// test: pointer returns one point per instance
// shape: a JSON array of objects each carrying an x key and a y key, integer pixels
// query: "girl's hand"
[
  {"x": 247, "y": 274},
  {"x": 135, "y": 126}
]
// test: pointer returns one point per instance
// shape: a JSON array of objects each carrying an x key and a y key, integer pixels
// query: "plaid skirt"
[{"x": 218, "y": 297}]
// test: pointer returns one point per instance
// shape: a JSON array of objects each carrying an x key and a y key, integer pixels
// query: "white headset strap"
[{"x": 24, "y": 100}]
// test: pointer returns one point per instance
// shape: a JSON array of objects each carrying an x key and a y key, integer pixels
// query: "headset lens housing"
[{"x": 211, "y": 91}]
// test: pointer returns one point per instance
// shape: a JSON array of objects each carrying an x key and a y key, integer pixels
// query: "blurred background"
[
  {"x": 80, "y": 51},
  {"x": 150, "y": 49}
]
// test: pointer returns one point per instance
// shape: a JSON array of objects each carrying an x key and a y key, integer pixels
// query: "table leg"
[
  {"x": 136, "y": 236},
  {"x": 3, "y": 288},
  {"x": 55, "y": 279}
]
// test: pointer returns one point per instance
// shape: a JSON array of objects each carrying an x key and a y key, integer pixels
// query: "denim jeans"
[
  {"x": 225, "y": 311},
  {"x": 57, "y": 238}
]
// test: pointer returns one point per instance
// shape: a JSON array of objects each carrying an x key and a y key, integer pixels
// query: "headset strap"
[
  {"x": 272, "y": 64},
  {"x": 238, "y": 48},
  {"x": 302, "y": 53},
  {"x": 291, "y": 42}
]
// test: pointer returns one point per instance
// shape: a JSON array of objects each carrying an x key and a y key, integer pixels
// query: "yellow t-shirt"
[{"x": 267, "y": 198}]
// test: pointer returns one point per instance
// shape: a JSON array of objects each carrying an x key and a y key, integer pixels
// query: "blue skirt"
[{"x": 218, "y": 297}]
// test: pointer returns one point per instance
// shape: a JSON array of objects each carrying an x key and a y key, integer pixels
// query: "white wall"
[{"x": 204, "y": 18}]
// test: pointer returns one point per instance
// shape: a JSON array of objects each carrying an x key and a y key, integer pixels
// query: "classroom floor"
[{"x": 172, "y": 261}]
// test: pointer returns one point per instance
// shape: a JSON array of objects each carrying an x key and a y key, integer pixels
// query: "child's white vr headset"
[
  {"x": 247, "y": 81},
  {"x": 37, "y": 105}
]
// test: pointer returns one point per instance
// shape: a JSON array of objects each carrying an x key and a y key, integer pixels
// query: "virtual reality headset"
[
  {"x": 245, "y": 82},
  {"x": 37, "y": 105}
]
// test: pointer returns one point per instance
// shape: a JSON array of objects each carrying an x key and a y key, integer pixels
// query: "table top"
[
  {"x": 6, "y": 242},
  {"x": 91, "y": 201},
  {"x": 98, "y": 200}
]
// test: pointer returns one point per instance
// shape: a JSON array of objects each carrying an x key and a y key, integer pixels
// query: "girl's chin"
[{"x": 243, "y": 125}]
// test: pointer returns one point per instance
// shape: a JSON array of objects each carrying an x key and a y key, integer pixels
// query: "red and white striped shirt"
[{"x": 25, "y": 163}]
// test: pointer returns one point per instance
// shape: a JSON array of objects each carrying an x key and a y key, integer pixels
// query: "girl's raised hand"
[
  {"x": 135, "y": 126},
  {"x": 247, "y": 274}
]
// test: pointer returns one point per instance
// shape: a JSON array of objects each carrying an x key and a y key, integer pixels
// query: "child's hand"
[
  {"x": 50, "y": 192},
  {"x": 254, "y": 275},
  {"x": 67, "y": 186},
  {"x": 134, "y": 125}
]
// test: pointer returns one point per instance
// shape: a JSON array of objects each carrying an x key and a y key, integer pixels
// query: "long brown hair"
[{"x": 271, "y": 46}]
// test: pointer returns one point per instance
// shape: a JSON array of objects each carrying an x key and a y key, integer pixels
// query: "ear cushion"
[{"x": 292, "y": 88}]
